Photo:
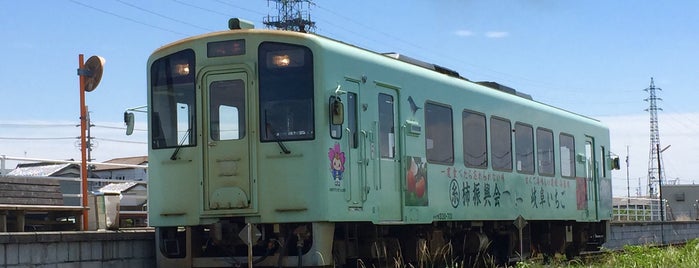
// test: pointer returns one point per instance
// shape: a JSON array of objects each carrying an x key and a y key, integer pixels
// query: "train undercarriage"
[{"x": 364, "y": 244}]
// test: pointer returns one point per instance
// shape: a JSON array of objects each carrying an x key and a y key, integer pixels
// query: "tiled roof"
[
  {"x": 117, "y": 187},
  {"x": 38, "y": 170}
]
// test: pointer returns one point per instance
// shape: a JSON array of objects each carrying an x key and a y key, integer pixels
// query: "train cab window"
[
  {"x": 567, "y": 150},
  {"x": 173, "y": 102},
  {"x": 475, "y": 140},
  {"x": 285, "y": 92},
  {"x": 501, "y": 144},
  {"x": 544, "y": 152},
  {"x": 524, "y": 148},
  {"x": 439, "y": 134},
  {"x": 387, "y": 131},
  {"x": 227, "y": 110}
]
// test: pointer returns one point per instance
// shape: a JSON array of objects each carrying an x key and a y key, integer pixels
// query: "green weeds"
[
  {"x": 634, "y": 257},
  {"x": 630, "y": 257}
]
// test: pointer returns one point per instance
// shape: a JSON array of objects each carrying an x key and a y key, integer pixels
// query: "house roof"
[
  {"x": 43, "y": 170},
  {"x": 117, "y": 187},
  {"x": 134, "y": 160}
]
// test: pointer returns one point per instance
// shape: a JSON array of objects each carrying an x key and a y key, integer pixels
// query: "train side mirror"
[
  {"x": 337, "y": 111},
  {"x": 615, "y": 163},
  {"x": 129, "y": 121}
]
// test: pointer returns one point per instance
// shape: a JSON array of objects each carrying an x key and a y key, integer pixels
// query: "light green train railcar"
[{"x": 322, "y": 154}]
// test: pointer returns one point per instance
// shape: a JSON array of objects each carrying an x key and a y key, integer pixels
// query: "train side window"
[
  {"x": 439, "y": 134},
  {"x": 387, "y": 131},
  {"x": 335, "y": 129},
  {"x": 524, "y": 148},
  {"x": 352, "y": 118},
  {"x": 566, "y": 144},
  {"x": 227, "y": 110},
  {"x": 544, "y": 152},
  {"x": 474, "y": 140},
  {"x": 603, "y": 160},
  {"x": 501, "y": 144}
]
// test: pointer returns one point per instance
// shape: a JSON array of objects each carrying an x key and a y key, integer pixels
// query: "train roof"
[{"x": 392, "y": 55}]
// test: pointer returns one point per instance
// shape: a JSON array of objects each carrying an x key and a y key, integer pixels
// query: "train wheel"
[{"x": 475, "y": 248}]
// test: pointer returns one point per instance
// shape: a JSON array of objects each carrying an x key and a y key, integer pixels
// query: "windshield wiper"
[
  {"x": 177, "y": 150},
  {"x": 281, "y": 145},
  {"x": 275, "y": 135}
]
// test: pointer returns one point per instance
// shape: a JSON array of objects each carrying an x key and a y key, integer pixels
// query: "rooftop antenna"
[{"x": 292, "y": 15}]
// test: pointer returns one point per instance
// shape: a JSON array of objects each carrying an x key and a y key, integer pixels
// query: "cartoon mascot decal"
[{"x": 337, "y": 163}]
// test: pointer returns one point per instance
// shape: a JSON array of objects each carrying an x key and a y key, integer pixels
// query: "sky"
[{"x": 591, "y": 57}]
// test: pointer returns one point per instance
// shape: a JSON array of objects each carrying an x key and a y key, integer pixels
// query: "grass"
[
  {"x": 441, "y": 257},
  {"x": 630, "y": 257},
  {"x": 634, "y": 256}
]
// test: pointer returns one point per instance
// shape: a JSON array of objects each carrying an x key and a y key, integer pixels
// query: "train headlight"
[
  {"x": 182, "y": 69},
  {"x": 285, "y": 59},
  {"x": 281, "y": 60}
]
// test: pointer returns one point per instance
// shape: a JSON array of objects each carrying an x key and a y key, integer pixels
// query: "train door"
[
  {"x": 227, "y": 180},
  {"x": 591, "y": 176},
  {"x": 355, "y": 171},
  {"x": 379, "y": 136}
]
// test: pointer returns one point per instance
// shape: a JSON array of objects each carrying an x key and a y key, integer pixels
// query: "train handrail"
[{"x": 349, "y": 160}]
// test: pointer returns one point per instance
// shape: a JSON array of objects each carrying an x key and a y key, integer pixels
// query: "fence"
[{"x": 638, "y": 209}]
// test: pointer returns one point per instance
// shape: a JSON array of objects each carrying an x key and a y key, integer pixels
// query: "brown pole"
[{"x": 83, "y": 146}]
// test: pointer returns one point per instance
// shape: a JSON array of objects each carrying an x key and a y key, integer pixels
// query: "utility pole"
[
  {"x": 292, "y": 15},
  {"x": 628, "y": 184}
]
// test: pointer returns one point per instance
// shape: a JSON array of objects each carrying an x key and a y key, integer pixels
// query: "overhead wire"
[
  {"x": 119, "y": 128},
  {"x": 38, "y": 125},
  {"x": 38, "y": 139},
  {"x": 120, "y": 141},
  {"x": 201, "y": 8},
  {"x": 126, "y": 18},
  {"x": 239, "y": 7},
  {"x": 164, "y": 16}
]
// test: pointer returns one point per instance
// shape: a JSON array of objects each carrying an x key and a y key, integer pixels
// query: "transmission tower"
[
  {"x": 292, "y": 15},
  {"x": 655, "y": 174}
]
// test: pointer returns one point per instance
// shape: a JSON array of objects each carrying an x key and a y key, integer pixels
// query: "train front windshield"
[
  {"x": 285, "y": 96},
  {"x": 173, "y": 96},
  {"x": 286, "y": 92}
]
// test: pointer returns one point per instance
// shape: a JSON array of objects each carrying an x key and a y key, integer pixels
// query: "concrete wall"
[
  {"x": 78, "y": 249},
  {"x": 635, "y": 233},
  {"x": 683, "y": 201}
]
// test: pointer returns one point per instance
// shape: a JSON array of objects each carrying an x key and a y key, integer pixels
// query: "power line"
[
  {"x": 239, "y": 7},
  {"x": 119, "y": 128},
  {"x": 126, "y": 18},
  {"x": 121, "y": 141},
  {"x": 35, "y": 125},
  {"x": 37, "y": 139},
  {"x": 201, "y": 8},
  {"x": 163, "y": 16}
]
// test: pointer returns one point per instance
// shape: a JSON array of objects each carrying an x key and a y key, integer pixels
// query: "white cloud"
[
  {"x": 464, "y": 33},
  {"x": 678, "y": 162},
  {"x": 494, "y": 34}
]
